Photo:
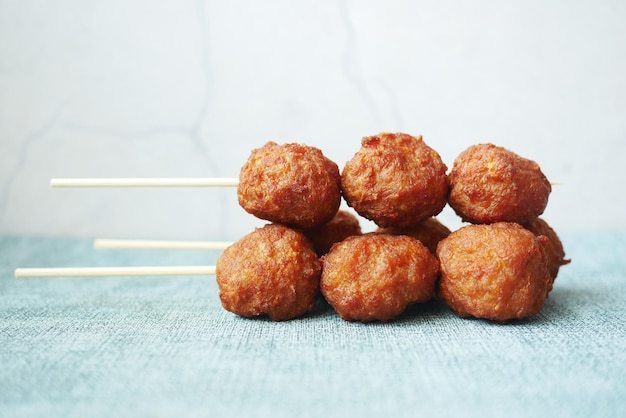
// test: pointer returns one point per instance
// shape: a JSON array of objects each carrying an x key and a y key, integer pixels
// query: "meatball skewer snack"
[
  {"x": 500, "y": 269},
  {"x": 292, "y": 184}
]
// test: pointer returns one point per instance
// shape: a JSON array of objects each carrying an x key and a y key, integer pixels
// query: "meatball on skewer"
[
  {"x": 495, "y": 271},
  {"x": 492, "y": 184},
  {"x": 555, "y": 254},
  {"x": 428, "y": 232},
  {"x": 292, "y": 184},
  {"x": 343, "y": 225},
  {"x": 272, "y": 271},
  {"x": 395, "y": 180},
  {"x": 377, "y": 276}
]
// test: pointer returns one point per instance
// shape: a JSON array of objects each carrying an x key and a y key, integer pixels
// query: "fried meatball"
[
  {"x": 343, "y": 225},
  {"x": 555, "y": 254},
  {"x": 395, "y": 180},
  {"x": 492, "y": 184},
  {"x": 377, "y": 276},
  {"x": 428, "y": 232},
  {"x": 272, "y": 271},
  {"x": 292, "y": 184},
  {"x": 495, "y": 271}
]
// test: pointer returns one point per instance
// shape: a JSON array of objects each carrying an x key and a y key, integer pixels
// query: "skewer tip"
[
  {"x": 114, "y": 271},
  {"x": 130, "y": 244},
  {"x": 145, "y": 182}
]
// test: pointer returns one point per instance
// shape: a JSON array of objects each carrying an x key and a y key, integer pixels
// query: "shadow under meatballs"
[
  {"x": 556, "y": 309},
  {"x": 565, "y": 304},
  {"x": 322, "y": 310},
  {"x": 423, "y": 312},
  {"x": 553, "y": 310},
  {"x": 414, "y": 314}
]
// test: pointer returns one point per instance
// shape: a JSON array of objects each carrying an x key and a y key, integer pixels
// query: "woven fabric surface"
[{"x": 163, "y": 346}]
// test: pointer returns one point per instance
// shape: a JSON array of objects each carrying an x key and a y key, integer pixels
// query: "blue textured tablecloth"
[{"x": 163, "y": 346}]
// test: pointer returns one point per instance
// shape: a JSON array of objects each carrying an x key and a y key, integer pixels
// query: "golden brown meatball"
[
  {"x": 395, "y": 180},
  {"x": 495, "y": 271},
  {"x": 292, "y": 184},
  {"x": 555, "y": 254},
  {"x": 492, "y": 184},
  {"x": 376, "y": 276},
  {"x": 272, "y": 271},
  {"x": 428, "y": 232},
  {"x": 343, "y": 225}
]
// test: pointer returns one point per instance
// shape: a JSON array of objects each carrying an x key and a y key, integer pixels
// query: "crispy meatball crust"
[
  {"x": 395, "y": 179},
  {"x": 377, "y": 276},
  {"x": 343, "y": 225},
  {"x": 555, "y": 254},
  {"x": 428, "y": 232},
  {"x": 292, "y": 184},
  {"x": 492, "y": 184},
  {"x": 272, "y": 271},
  {"x": 495, "y": 272}
]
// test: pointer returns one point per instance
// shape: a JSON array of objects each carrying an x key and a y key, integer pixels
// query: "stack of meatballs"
[{"x": 500, "y": 266}]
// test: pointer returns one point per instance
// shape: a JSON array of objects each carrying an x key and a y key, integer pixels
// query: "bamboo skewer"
[
  {"x": 128, "y": 244},
  {"x": 157, "y": 182},
  {"x": 145, "y": 182},
  {"x": 139, "y": 244},
  {"x": 115, "y": 271},
  {"x": 134, "y": 244}
]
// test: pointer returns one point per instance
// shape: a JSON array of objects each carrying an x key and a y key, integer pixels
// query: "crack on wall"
[
  {"x": 129, "y": 135},
  {"x": 192, "y": 132},
  {"x": 204, "y": 111},
  {"x": 25, "y": 146},
  {"x": 354, "y": 74},
  {"x": 350, "y": 65},
  {"x": 392, "y": 99}
]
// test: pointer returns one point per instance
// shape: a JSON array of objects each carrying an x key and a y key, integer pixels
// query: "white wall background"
[{"x": 188, "y": 88}]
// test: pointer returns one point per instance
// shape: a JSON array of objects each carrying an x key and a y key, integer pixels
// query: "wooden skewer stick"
[
  {"x": 146, "y": 182},
  {"x": 134, "y": 244},
  {"x": 157, "y": 182},
  {"x": 115, "y": 271}
]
